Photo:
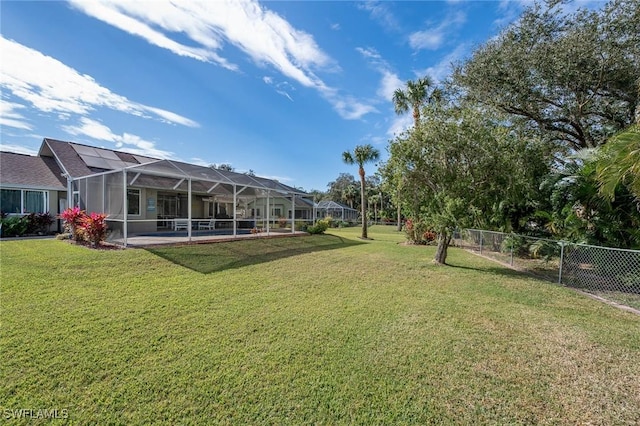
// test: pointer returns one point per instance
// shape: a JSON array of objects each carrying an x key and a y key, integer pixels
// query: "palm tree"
[
  {"x": 619, "y": 163},
  {"x": 416, "y": 94},
  {"x": 362, "y": 154},
  {"x": 349, "y": 194}
]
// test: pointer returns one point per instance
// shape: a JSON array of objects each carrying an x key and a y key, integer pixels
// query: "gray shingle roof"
[
  {"x": 69, "y": 158},
  {"x": 83, "y": 160},
  {"x": 30, "y": 172}
]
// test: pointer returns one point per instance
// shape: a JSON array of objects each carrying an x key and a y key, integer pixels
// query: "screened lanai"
[
  {"x": 172, "y": 198},
  {"x": 336, "y": 211}
]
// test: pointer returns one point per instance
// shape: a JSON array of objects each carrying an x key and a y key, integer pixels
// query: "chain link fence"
[{"x": 613, "y": 274}]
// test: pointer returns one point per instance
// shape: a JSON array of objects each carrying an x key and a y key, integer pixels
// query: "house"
[
  {"x": 336, "y": 211},
  {"x": 30, "y": 184},
  {"x": 145, "y": 195}
]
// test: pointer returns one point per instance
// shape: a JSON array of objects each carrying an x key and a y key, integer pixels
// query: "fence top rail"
[
  {"x": 563, "y": 242},
  {"x": 515, "y": 235}
]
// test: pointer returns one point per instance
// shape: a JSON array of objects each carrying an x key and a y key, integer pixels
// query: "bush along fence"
[{"x": 610, "y": 273}]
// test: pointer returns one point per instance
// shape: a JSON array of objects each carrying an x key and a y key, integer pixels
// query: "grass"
[{"x": 323, "y": 329}]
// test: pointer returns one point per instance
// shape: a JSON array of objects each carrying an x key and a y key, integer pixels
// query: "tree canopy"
[
  {"x": 463, "y": 168},
  {"x": 573, "y": 77}
]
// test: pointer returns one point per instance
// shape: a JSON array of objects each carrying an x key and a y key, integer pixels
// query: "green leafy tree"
[
  {"x": 361, "y": 155},
  {"x": 464, "y": 168},
  {"x": 222, "y": 166},
  {"x": 349, "y": 194},
  {"x": 336, "y": 188},
  {"x": 572, "y": 77},
  {"x": 579, "y": 212}
]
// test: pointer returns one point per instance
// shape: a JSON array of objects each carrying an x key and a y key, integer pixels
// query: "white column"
[
  {"x": 268, "y": 212},
  {"x": 189, "y": 209},
  {"x": 125, "y": 207},
  {"x": 234, "y": 210},
  {"x": 293, "y": 213}
]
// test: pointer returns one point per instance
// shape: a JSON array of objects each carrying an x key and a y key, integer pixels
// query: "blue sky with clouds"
[{"x": 281, "y": 88}]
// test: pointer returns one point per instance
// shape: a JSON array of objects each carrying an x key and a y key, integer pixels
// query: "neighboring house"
[
  {"x": 31, "y": 184},
  {"x": 336, "y": 211},
  {"x": 141, "y": 194}
]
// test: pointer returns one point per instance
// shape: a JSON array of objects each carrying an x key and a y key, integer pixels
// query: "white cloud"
[
  {"x": 348, "y": 107},
  {"x": 389, "y": 83},
  {"x": 433, "y": 38},
  {"x": 379, "y": 11},
  {"x": 257, "y": 31},
  {"x": 442, "y": 69},
  {"x": 125, "y": 142},
  {"x": 263, "y": 35},
  {"x": 335, "y": 27},
  {"x": 9, "y": 116},
  {"x": 370, "y": 53},
  {"x": 123, "y": 15},
  {"x": 63, "y": 90},
  {"x": 19, "y": 149},
  {"x": 399, "y": 124},
  {"x": 199, "y": 162}
]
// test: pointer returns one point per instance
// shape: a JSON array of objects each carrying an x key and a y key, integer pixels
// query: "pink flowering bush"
[
  {"x": 72, "y": 218},
  {"x": 82, "y": 226},
  {"x": 94, "y": 228},
  {"x": 418, "y": 232}
]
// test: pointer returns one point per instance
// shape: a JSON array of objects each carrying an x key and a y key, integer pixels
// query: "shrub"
[
  {"x": 429, "y": 237},
  {"x": 91, "y": 228},
  {"x": 14, "y": 226},
  {"x": 38, "y": 222},
  {"x": 94, "y": 228},
  {"x": 319, "y": 227},
  {"x": 516, "y": 243},
  {"x": 72, "y": 218},
  {"x": 418, "y": 232}
]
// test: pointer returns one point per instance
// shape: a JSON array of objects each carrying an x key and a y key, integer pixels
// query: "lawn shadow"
[{"x": 216, "y": 257}]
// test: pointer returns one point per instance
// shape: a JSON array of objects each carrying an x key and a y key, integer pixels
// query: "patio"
[
  {"x": 169, "y": 202},
  {"x": 180, "y": 238}
]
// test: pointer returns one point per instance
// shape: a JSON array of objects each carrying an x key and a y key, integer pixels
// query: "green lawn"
[{"x": 308, "y": 330}]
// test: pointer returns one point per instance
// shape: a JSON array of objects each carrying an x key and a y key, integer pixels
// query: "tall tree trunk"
[
  {"x": 444, "y": 238},
  {"x": 399, "y": 225},
  {"x": 363, "y": 201}
]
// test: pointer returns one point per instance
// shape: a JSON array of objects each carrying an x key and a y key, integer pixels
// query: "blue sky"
[{"x": 280, "y": 88}]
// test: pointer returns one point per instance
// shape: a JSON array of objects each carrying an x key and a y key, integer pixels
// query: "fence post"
[
  {"x": 511, "y": 260},
  {"x": 561, "y": 262},
  {"x": 480, "y": 242}
]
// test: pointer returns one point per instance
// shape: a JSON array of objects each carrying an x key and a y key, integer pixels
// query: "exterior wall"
[
  {"x": 284, "y": 206},
  {"x": 148, "y": 212},
  {"x": 197, "y": 206}
]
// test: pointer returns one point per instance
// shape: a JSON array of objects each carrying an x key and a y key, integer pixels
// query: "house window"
[
  {"x": 277, "y": 212},
  {"x": 133, "y": 202},
  {"x": 22, "y": 201}
]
